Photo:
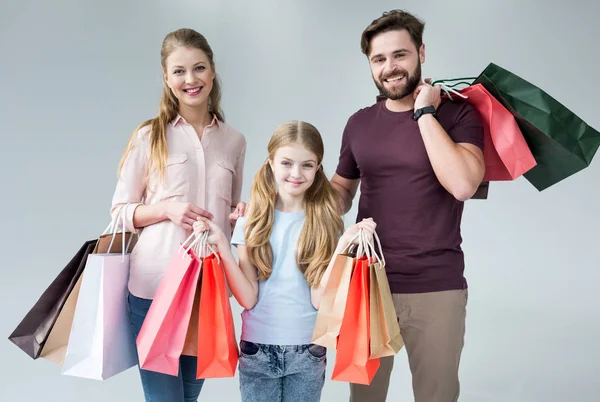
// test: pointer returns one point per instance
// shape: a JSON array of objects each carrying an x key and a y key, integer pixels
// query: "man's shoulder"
[
  {"x": 455, "y": 108},
  {"x": 364, "y": 114}
]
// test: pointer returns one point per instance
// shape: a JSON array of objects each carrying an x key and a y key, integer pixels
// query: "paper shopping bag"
[
  {"x": 217, "y": 346},
  {"x": 55, "y": 347},
  {"x": 506, "y": 153},
  {"x": 108, "y": 243},
  {"x": 561, "y": 142},
  {"x": 333, "y": 301},
  {"x": 190, "y": 346},
  {"x": 101, "y": 343},
  {"x": 385, "y": 338},
  {"x": 352, "y": 361},
  {"x": 162, "y": 337},
  {"x": 33, "y": 331},
  {"x": 482, "y": 191}
]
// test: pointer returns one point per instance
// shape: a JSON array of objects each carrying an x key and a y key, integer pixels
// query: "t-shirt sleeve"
[
  {"x": 347, "y": 166},
  {"x": 468, "y": 126},
  {"x": 237, "y": 238}
]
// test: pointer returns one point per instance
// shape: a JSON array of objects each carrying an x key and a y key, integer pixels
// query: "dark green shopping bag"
[{"x": 561, "y": 143}]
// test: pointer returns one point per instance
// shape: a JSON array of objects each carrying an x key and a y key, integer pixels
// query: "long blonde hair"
[
  {"x": 169, "y": 105},
  {"x": 323, "y": 223}
]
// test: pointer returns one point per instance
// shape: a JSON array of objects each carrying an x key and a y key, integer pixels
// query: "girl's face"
[
  {"x": 294, "y": 168},
  {"x": 190, "y": 76}
]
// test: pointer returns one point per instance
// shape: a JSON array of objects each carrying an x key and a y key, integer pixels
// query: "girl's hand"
[
  {"x": 215, "y": 235},
  {"x": 367, "y": 225}
]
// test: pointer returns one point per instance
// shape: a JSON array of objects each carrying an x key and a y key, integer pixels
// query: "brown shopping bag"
[
  {"x": 333, "y": 301},
  {"x": 385, "y": 338}
]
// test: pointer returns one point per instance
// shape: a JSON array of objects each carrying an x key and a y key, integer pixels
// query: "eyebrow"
[
  {"x": 393, "y": 53},
  {"x": 198, "y": 63},
  {"x": 291, "y": 160}
]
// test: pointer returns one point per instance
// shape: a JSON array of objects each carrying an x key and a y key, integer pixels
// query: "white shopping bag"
[{"x": 101, "y": 343}]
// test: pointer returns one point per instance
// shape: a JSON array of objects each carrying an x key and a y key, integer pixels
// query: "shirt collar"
[{"x": 179, "y": 119}]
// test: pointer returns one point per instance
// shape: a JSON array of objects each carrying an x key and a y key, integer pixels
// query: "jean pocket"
[
  {"x": 249, "y": 348},
  {"x": 317, "y": 352}
]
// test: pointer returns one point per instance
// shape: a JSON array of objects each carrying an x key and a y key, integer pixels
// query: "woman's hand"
[
  {"x": 184, "y": 214},
  {"x": 240, "y": 210}
]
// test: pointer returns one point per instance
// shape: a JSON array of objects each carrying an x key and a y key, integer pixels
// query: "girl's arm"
[{"x": 242, "y": 278}]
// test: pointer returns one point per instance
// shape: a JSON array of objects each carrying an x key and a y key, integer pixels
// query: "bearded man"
[{"x": 417, "y": 158}]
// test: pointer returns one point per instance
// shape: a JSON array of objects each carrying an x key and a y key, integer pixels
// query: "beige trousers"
[{"x": 433, "y": 328}]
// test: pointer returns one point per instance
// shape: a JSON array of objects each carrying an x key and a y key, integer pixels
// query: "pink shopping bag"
[{"x": 162, "y": 336}]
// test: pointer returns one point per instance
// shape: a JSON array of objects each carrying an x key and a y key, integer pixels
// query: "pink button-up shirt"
[{"x": 207, "y": 173}]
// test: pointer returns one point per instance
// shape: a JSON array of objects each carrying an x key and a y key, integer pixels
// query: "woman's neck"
[
  {"x": 196, "y": 116},
  {"x": 287, "y": 203}
]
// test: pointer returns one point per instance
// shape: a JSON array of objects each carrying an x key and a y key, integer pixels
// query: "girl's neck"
[{"x": 287, "y": 203}]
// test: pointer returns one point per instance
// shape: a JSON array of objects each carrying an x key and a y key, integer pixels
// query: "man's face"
[{"x": 395, "y": 64}]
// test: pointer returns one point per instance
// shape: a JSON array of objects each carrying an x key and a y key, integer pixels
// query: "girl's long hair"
[{"x": 323, "y": 223}]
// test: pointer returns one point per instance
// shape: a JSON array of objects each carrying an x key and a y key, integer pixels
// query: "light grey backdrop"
[{"x": 76, "y": 77}]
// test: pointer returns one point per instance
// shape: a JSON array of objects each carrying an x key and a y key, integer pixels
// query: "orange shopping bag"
[
  {"x": 506, "y": 153},
  {"x": 352, "y": 360},
  {"x": 217, "y": 346},
  {"x": 162, "y": 336}
]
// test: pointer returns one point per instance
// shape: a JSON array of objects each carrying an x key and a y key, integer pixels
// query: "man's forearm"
[{"x": 344, "y": 197}]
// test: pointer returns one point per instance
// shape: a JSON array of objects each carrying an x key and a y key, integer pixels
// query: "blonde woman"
[
  {"x": 284, "y": 245},
  {"x": 183, "y": 164}
]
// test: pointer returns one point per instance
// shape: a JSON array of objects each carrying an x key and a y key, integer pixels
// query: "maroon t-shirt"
[{"x": 418, "y": 221}]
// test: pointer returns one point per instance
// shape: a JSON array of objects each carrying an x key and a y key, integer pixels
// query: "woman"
[{"x": 183, "y": 164}]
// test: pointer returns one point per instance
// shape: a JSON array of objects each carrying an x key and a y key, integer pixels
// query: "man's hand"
[{"x": 427, "y": 95}]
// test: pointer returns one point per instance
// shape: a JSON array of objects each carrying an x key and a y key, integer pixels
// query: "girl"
[
  {"x": 284, "y": 247},
  {"x": 183, "y": 164}
]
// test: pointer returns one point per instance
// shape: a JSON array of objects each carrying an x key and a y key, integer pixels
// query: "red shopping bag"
[
  {"x": 352, "y": 361},
  {"x": 506, "y": 153},
  {"x": 163, "y": 333},
  {"x": 217, "y": 346}
]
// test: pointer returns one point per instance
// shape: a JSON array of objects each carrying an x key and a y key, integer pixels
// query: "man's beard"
[{"x": 412, "y": 82}]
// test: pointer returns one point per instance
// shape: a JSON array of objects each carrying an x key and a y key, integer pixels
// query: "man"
[{"x": 417, "y": 159}]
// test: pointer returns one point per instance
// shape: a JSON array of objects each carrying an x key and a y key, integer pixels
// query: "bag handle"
[
  {"x": 351, "y": 245},
  {"x": 447, "y": 85},
  {"x": 204, "y": 249},
  {"x": 199, "y": 245},
  {"x": 370, "y": 247},
  {"x": 115, "y": 226}
]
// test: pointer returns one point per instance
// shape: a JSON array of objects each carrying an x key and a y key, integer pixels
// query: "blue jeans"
[
  {"x": 281, "y": 373},
  {"x": 160, "y": 387}
]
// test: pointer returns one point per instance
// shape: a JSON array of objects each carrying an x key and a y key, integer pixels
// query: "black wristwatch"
[{"x": 424, "y": 110}]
